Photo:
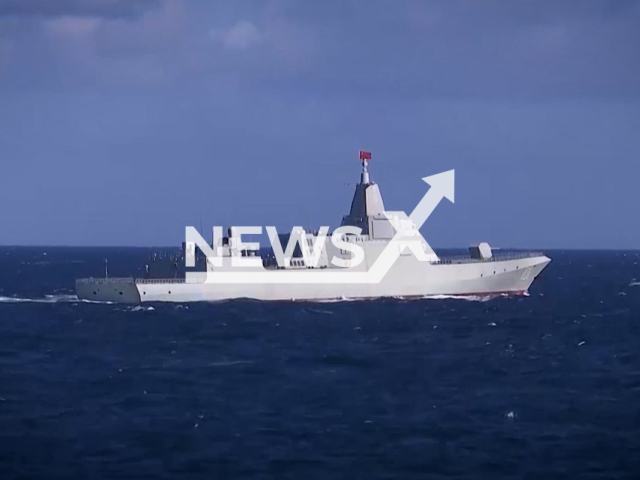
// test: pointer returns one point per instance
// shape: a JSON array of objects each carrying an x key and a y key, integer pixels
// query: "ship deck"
[
  {"x": 500, "y": 257},
  {"x": 444, "y": 260}
]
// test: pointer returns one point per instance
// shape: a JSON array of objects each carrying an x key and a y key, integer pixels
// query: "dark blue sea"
[{"x": 538, "y": 387}]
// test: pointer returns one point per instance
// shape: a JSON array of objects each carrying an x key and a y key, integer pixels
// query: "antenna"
[{"x": 106, "y": 268}]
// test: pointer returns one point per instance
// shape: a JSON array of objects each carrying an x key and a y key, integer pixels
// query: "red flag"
[{"x": 365, "y": 155}]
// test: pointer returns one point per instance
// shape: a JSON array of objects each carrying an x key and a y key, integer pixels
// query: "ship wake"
[{"x": 48, "y": 299}]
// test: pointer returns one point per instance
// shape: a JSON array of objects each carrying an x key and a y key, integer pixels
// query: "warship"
[{"x": 480, "y": 273}]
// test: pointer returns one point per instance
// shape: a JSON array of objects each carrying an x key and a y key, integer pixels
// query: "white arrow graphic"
[{"x": 442, "y": 185}]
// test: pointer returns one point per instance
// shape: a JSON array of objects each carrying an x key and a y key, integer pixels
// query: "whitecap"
[
  {"x": 47, "y": 299},
  {"x": 324, "y": 312},
  {"x": 229, "y": 363},
  {"x": 140, "y": 308},
  {"x": 468, "y": 298}
]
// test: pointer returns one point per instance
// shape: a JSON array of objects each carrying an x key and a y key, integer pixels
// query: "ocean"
[{"x": 539, "y": 387}]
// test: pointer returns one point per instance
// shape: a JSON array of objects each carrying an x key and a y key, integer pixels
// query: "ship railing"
[
  {"x": 120, "y": 280},
  {"x": 495, "y": 258},
  {"x": 105, "y": 280},
  {"x": 161, "y": 280}
]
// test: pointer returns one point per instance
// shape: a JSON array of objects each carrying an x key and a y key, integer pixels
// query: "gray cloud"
[
  {"x": 360, "y": 15},
  {"x": 98, "y": 8},
  {"x": 240, "y": 36},
  {"x": 497, "y": 48},
  {"x": 99, "y": 106},
  {"x": 408, "y": 48}
]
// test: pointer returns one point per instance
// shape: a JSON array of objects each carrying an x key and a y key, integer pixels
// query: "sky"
[{"x": 123, "y": 121}]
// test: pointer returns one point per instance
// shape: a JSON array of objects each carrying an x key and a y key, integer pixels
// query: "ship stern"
[{"x": 112, "y": 290}]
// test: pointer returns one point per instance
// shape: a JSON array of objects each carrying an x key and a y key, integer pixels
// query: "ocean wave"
[
  {"x": 466, "y": 298},
  {"x": 47, "y": 299},
  {"x": 316, "y": 310},
  {"x": 67, "y": 298},
  {"x": 140, "y": 308},
  {"x": 336, "y": 300},
  {"x": 229, "y": 363}
]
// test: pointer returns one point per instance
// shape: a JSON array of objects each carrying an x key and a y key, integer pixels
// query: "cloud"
[
  {"x": 68, "y": 26},
  {"x": 97, "y": 8},
  {"x": 408, "y": 48},
  {"x": 72, "y": 51},
  {"x": 466, "y": 48},
  {"x": 6, "y": 51},
  {"x": 157, "y": 32},
  {"x": 241, "y": 36}
]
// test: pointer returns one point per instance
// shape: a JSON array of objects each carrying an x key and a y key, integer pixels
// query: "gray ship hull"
[
  {"x": 408, "y": 278},
  {"x": 407, "y": 275}
]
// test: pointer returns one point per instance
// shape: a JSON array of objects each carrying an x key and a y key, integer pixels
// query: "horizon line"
[{"x": 435, "y": 248}]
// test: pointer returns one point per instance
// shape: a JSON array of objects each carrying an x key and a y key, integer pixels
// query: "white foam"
[
  {"x": 48, "y": 299},
  {"x": 325, "y": 312},
  {"x": 229, "y": 363},
  {"x": 337, "y": 300},
  {"x": 468, "y": 298},
  {"x": 140, "y": 308}
]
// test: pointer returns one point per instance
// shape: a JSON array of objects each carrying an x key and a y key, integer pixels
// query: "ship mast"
[{"x": 364, "y": 176}]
